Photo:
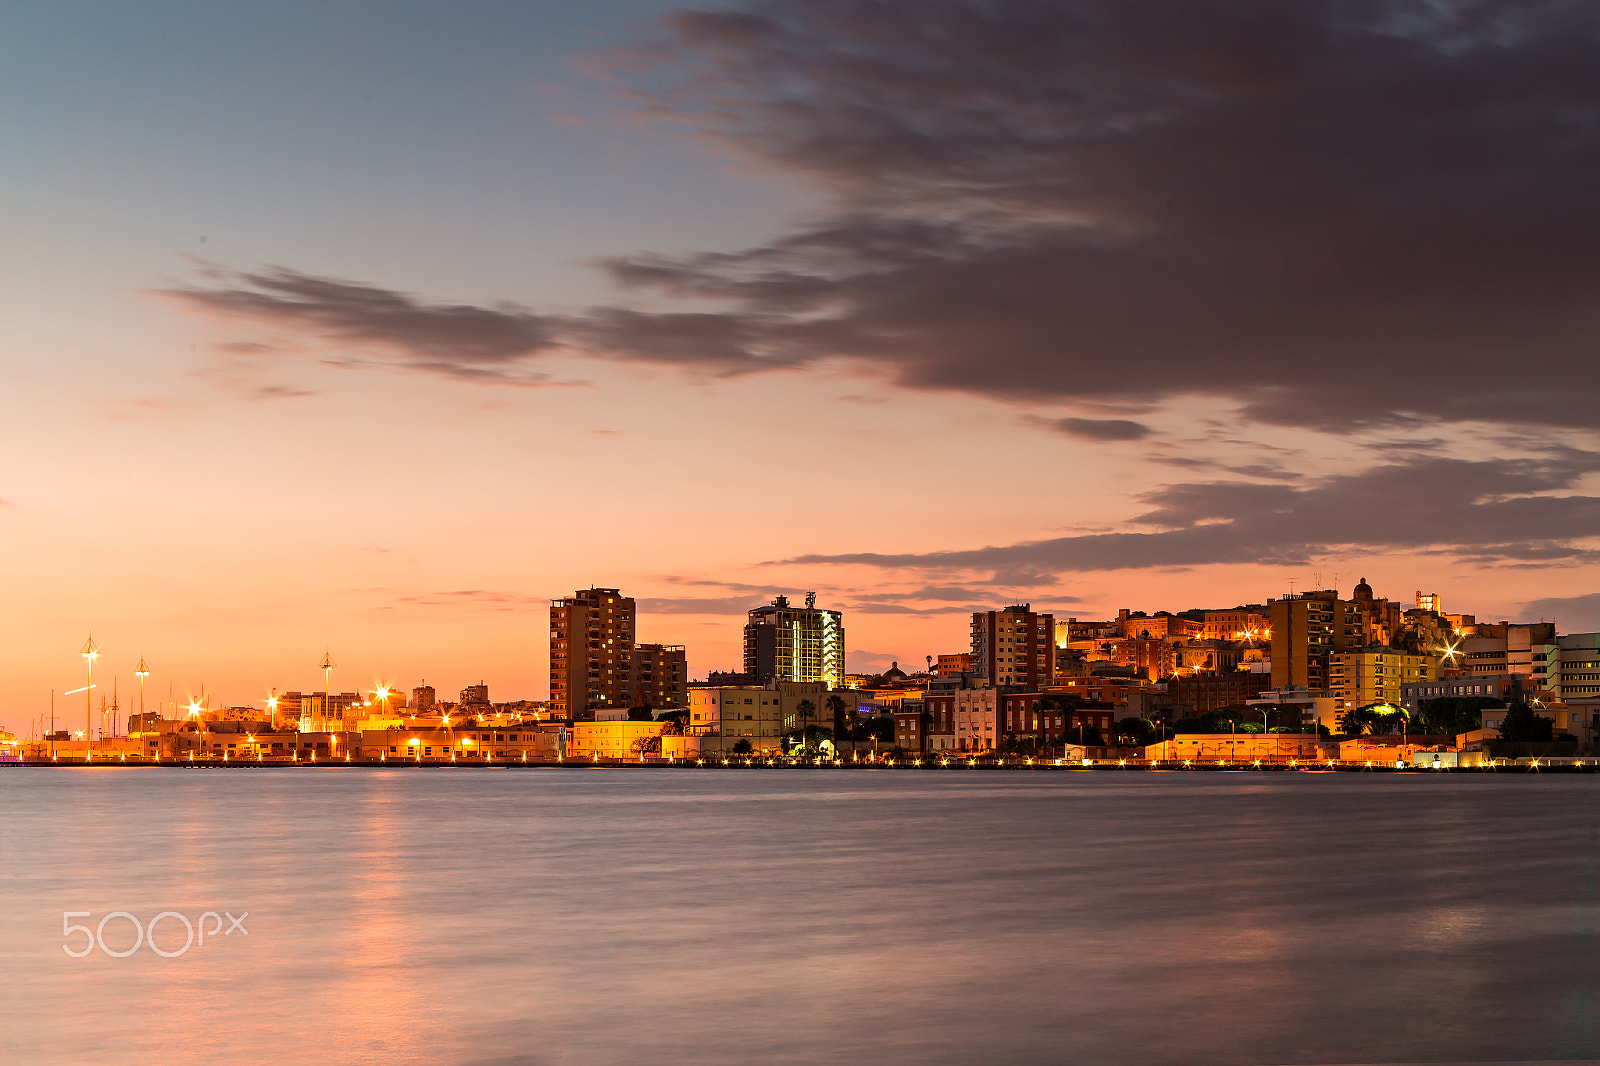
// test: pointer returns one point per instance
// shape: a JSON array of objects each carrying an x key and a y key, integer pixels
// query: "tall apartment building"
[
  {"x": 784, "y": 643},
  {"x": 423, "y": 698},
  {"x": 1307, "y": 627},
  {"x": 1015, "y": 646},
  {"x": 591, "y": 646},
  {"x": 660, "y": 676}
]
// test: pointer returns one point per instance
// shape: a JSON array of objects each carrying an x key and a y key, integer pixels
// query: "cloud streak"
[{"x": 1480, "y": 511}]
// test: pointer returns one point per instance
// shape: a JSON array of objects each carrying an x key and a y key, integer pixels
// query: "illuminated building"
[
  {"x": 1248, "y": 622},
  {"x": 954, "y": 665},
  {"x": 1015, "y": 646},
  {"x": 1307, "y": 627},
  {"x": 1375, "y": 675},
  {"x": 423, "y": 698},
  {"x": 591, "y": 641},
  {"x": 784, "y": 643}
]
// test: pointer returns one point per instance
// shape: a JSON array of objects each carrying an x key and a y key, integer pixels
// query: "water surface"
[{"x": 600, "y": 916}]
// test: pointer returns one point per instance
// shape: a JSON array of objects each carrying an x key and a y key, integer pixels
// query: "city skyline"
[
  {"x": 373, "y": 345},
  {"x": 961, "y": 639}
]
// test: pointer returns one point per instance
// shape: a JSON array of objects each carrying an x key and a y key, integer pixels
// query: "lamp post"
[
  {"x": 142, "y": 673},
  {"x": 90, "y": 653}
]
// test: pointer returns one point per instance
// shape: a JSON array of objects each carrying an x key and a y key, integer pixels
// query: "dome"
[{"x": 1363, "y": 591}]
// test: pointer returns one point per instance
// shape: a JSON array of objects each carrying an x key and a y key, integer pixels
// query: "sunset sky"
[{"x": 372, "y": 327}]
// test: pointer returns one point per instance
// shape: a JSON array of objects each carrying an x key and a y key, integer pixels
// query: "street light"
[{"x": 90, "y": 653}]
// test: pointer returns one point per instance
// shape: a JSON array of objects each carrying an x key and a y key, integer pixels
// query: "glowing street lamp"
[{"x": 90, "y": 653}]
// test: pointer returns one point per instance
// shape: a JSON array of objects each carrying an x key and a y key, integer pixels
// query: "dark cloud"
[
  {"x": 456, "y": 339},
  {"x": 1102, "y": 428},
  {"x": 1326, "y": 214},
  {"x": 1480, "y": 511},
  {"x": 1333, "y": 214},
  {"x": 1575, "y": 614}
]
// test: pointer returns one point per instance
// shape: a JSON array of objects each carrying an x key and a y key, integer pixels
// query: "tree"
[
  {"x": 1136, "y": 731},
  {"x": 804, "y": 711},
  {"x": 641, "y": 714},
  {"x": 1448, "y": 715},
  {"x": 842, "y": 713},
  {"x": 742, "y": 747},
  {"x": 1521, "y": 723},
  {"x": 1354, "y": 722}
]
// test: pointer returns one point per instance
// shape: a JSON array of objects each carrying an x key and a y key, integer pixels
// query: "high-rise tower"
[
  {"x": 591, "y": 650},
  {"x": 784, "y": 643}
]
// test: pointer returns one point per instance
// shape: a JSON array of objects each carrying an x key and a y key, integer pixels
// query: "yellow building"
[
  {"x": 1375, "y": 674},
  {"x": 614, "y": 740}
]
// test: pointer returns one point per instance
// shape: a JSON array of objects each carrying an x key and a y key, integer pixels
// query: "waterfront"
[{"x": 801, "y": 916}]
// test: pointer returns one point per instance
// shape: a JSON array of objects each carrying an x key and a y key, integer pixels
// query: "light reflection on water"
[{"x": 801, "y": 916}]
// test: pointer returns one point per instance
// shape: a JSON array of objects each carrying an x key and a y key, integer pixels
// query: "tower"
[
  {"x": 784, "y": 643},
  {"x": 591, "y": 653}
]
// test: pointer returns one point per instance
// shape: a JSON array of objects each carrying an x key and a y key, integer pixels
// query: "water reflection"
[{"x": 795, "y": 916}]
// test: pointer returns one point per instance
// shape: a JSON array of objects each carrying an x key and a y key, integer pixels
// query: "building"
[
  {"x": 324, "y": 712},
  {"x": 423, "y": 698},
  {"x": 1192, "y": 695},
  {"x": 1375, "y": 675},
  {"x": 1522, "y": 648},
  {"x": 954, "y": 665},
  {"x": 1503, "y": 687},
  {"x": 1245, "y": 622},
  {"x": 591, "y": 646},
  {"x": 1015, "y": 646},
  {"x": 1316, "y": 708},
  {"x": 723, "y": 716},
  {"x": 784, "y": 643},
  {"x": 660, "y": 674},
  {"x": 614, "y": 740},
  {"x": 1307, "y": 627},
  {"x": 977, "y": 719},
  {"x": 1573, "y": 672},
  {"x": 1240, "y": 748}
]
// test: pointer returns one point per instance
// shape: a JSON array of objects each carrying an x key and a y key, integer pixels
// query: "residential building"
[
  {"x": 660, "y": 674},
  {"x": 1375, "y": 675},
  {"x": 423, "y": 698},
  {"x": 1307, "y": 627},
  {"x": 954, "y": 665},
  {"x": 784, "y": 643},
  {"x": 1014, "y": 646},
  {"x": 1192, "y": 695},
  {"x": 591, "y": 646},
  {"x": 1245, "y": 622}
]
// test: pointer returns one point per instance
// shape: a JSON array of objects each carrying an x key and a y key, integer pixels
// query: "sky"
[{"x": 370, "y": 328}]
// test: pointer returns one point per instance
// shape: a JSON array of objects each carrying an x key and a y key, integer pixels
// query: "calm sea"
[{"x": 732, "y": 916}]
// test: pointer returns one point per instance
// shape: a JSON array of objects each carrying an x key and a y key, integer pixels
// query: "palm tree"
[{"x": 805, "y": 711}]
